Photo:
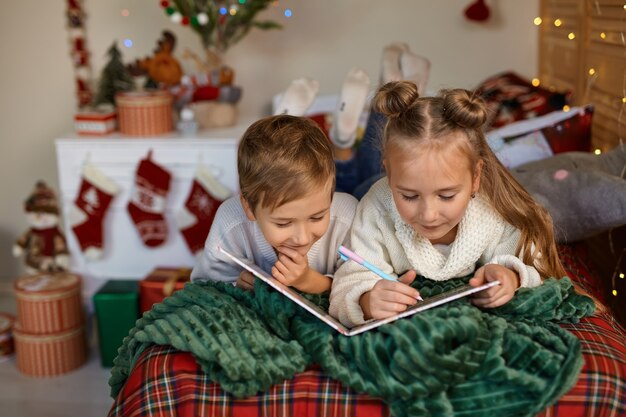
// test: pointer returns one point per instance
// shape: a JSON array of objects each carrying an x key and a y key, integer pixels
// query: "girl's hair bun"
[
  {"x": 394, "y": 98},
  {"x": 463, "y": 108}
]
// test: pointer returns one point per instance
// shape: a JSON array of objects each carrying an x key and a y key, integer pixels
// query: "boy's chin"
[{"x": 302, "y": 251}]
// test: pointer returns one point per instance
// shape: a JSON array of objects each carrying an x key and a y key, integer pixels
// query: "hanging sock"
[
  {"x": 89, "y": 209},
  {"x": 195, "y": 218},
  {"x": 147, "y": 203}
]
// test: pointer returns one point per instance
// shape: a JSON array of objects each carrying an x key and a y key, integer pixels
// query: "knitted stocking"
[
  {"x": 90, "y": 206},
  {"x": 195, "y": 218},
  {"x": 147, "y": 202}
]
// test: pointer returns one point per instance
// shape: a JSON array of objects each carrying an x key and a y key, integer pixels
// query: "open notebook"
[{"x": 428, "y": 303}]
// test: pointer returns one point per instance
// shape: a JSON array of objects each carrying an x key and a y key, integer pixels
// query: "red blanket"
[{"x": 166, "y": 382}]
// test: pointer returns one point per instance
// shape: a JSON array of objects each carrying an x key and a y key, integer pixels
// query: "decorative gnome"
[{"x": 43, "y": 244}]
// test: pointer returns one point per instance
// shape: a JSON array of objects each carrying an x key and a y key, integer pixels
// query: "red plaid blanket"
[{"x": 166, "y": 382}]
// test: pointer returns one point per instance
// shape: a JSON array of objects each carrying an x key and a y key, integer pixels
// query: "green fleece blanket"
[{"x": 453, "y": 360}]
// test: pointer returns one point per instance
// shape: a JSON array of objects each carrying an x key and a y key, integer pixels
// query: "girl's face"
[
  {"x": 431, "y": 188},
  {"x": 297, "y": 224}
]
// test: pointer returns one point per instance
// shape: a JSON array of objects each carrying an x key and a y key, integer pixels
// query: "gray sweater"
[{"x": 233, "y": 231}]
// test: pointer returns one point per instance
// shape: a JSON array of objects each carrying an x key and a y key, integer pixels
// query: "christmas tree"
[
  {"x": 220, "y": 23},
  {"x": 114, "y": 78}
]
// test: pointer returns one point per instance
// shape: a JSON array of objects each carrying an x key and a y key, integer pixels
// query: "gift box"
[
  {"x": 144, "y": 113},
  {"x": 49, "y": 303},
  {"x": 95, "y": 123},
  {"x": 6, "y": 335},
  {"x": 117, "y": 309},
  {"x": 161, "y": 283},
  {"x": 49, "y": 354}
]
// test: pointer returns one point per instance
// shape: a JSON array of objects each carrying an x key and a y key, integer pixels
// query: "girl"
[{"x": 447, "y": 208}]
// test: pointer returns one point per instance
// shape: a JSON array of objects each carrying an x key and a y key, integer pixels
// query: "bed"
[{"x": 165, "y": 381}]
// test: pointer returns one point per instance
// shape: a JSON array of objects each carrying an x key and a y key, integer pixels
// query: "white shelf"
[{"x": 125, "y": 256}]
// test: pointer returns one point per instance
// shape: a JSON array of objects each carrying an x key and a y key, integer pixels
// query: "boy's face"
[{"x": 297, "y": 224}]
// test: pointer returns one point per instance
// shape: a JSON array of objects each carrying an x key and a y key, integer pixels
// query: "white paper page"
[{"x": 429, "y": 303}]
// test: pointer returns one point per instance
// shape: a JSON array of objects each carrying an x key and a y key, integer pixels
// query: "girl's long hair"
[{"x": 414, "y": 120}]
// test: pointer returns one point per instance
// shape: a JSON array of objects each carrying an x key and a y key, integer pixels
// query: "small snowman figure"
[
  {"x": 43, "y": 244},
  {"x": 187, "y": 124}
]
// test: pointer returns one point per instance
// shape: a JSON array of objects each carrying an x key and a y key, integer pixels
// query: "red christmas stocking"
[
  {"x": 147, "y": 201},
  {"x": 195, "y": 218},
  {"x": 90, "y": 206}
]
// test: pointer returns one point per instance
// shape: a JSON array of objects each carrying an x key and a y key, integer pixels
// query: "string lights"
[
  {"x": 187, "y": 16},
  {"x": 593, "y": 74}
]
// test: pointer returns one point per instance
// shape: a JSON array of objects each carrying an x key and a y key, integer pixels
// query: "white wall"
[{"x": 323, "y": 39}]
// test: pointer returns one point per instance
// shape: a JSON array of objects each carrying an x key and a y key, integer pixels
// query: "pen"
[{"x": 346, "y": 254}]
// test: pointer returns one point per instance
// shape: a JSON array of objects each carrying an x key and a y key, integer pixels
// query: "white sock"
[
  {"x": 415, "y": 68},
  {"x": 390, "y": 62},
  {"x": 351, "y": 104},
  {"x": 298, "y": 97}
]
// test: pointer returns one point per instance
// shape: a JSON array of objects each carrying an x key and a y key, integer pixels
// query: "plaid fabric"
[{"x": 166, "y": 382}]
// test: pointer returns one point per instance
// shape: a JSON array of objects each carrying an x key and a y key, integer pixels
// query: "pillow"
[
  {"x": 510, "y": 98},
  {"x": 530, "y": 147},
  {"x": 584, "y": 193},
  {"x": 532, "y": 139}
]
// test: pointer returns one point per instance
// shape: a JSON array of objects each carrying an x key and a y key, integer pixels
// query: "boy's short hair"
[{"x": 281, "y": 158}]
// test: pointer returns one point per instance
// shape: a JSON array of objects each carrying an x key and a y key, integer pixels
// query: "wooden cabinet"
[{"x": 582, "y": 50}]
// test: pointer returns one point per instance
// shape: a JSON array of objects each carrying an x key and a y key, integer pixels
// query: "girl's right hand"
[{"x": 389, "y": 298}]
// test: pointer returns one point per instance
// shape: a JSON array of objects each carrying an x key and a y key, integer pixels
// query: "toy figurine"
[{"x": 43, "y": 244}]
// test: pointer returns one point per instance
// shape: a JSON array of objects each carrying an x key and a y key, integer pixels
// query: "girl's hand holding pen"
[{"x": 389, "y": 298}]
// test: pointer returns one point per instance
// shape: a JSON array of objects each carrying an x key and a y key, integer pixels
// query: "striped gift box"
[
  {"x": 49, "y": 303},
  {"x": 144, "y": 113},
  {"x": 49, "y": 355}
]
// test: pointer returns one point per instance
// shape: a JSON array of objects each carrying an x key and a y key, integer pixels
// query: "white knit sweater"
[
  {"x": 380, "y": 236},
  {"x": 233, "y": 231}
]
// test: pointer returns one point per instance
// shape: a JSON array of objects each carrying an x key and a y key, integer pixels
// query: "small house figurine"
[{"x": 43, "y": 244}]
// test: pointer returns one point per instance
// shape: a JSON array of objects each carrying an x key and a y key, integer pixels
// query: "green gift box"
[{"x": 117, "y": 310}]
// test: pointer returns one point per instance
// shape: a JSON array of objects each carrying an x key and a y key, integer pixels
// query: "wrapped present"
[
  {"x": 95, "y": 123},
  {"x": 161, "y": 283},
  {"x": 6, "y": 335},
  {"x": 117, "y": 309},
  {"x": 49, "y": 303},
  {"x": 144, "y": 113},
  {"x": 49, "y": 354}
]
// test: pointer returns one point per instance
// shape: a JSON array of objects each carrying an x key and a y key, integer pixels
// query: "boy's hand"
[
  {"x": 245, "y": 281},
  {"x": 292, "y": 269},
  {"x": 389, "y": 298},
  {"x": 498, "y": 295}
]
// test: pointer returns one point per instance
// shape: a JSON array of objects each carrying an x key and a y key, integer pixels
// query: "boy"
[{"x": 287, "y": 219}]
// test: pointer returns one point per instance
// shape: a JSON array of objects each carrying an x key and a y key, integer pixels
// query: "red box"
[
  {"x": 95, "y": 123},
  {"x": 160, "y": 283},
  {"x": 49, "y": 303}
]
